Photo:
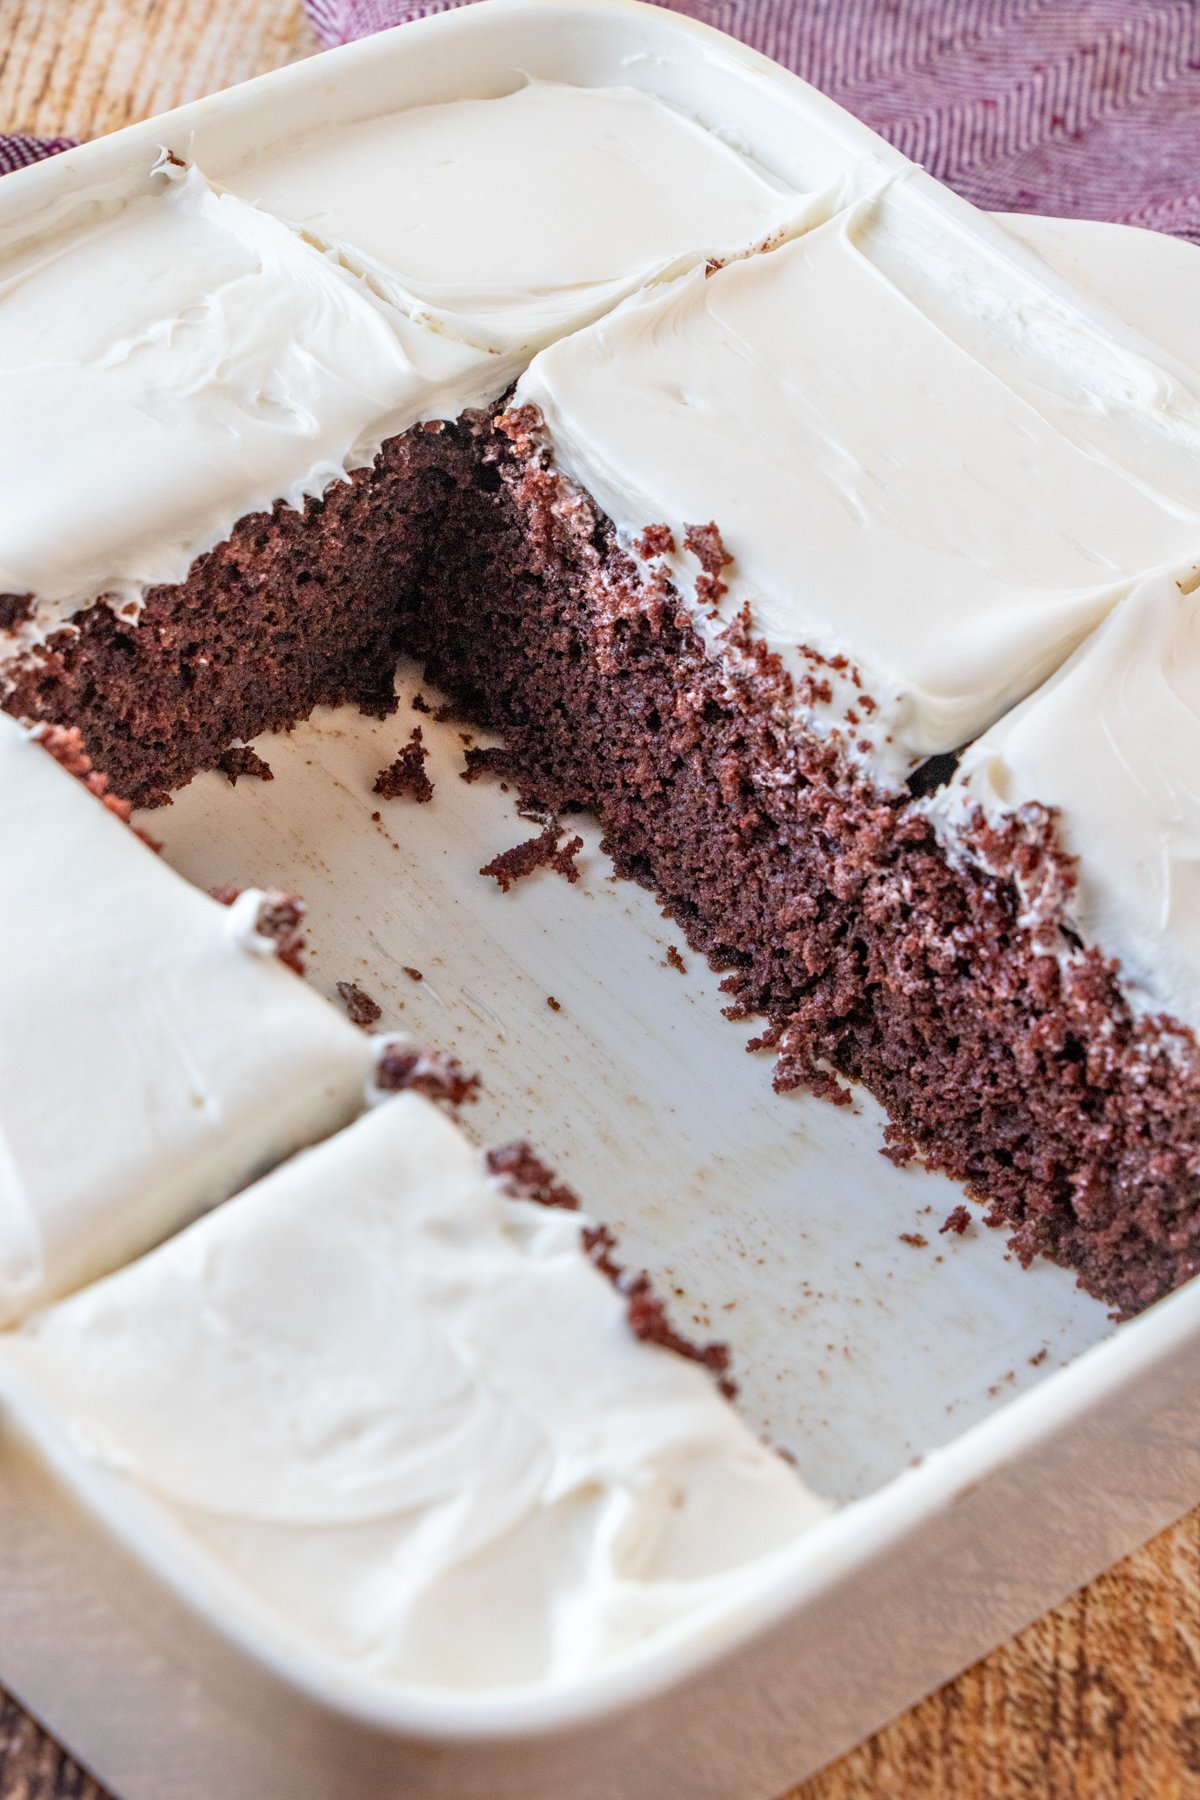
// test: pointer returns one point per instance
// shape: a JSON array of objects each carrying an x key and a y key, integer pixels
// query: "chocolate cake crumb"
[
  {"x": 535, "y": 853},
  {"x": 1036, "y": 1361},
  {"x": 402, "y": 1068},
  {"x": 674, "y": 960},
  {"x": 704, "y": 542},
  {"x": 413, "y": 974},
  {"x": 14, "y": 610},
  {"x": 240, "y": 759},
  {"x": 490, "y": 761},
  {"x": 915, "y": 1239},
  {"x": 648, "y": 1317},
  {"x": 957, "y": 1222},
  {"x": 280, "y": 917},
  {"x": 361, "y": 1009},
  {"x": 527, "y": 1177},
  {"x": 407, "y": 774},
  {"x": 553, "y": 1004},
  {"x": 656, "y": 540},
  {"x": 420, "y": 704}
]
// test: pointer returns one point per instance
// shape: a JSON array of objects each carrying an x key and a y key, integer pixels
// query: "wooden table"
[{"x": 1099, "y": 1699}]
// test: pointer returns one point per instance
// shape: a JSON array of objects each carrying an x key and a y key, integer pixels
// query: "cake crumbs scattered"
[
  {"x": 957, "y": 1222},
  {"x": 527, "y": 1177},
  {"x": 413, "y": 974},
  {"x": 915, "y": 1239},
  {"x": 674, "y": 960},
  {"x": 407, "y": 774},
  {"x": 1035, "y": 1362},
  {"x": 361, "y": 1008},
  {"x": 543, "y": 852},
  {"x": 648, "y": 1318},
  {"x": 241, "y": 760},
  {"x": 403, "y": 1068},
  {"x": 553, "y": 1004},
  {"x": 420, "y": 704}
]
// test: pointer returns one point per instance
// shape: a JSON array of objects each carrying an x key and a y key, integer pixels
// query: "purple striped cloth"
[
  {"x": 17, "y": 152},
  {"x": 1082, "y": 108}
]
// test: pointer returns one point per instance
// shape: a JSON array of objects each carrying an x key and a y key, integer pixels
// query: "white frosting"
[
  {"x": 178, "y": 363},
  {"x": 1114, "y": 742},
  {"x": 1150, "y": 280},
  {"x": 400, "y": 1415},
  {"x": 919, "y": 454},
  {"x": 514, "y": 220},
  {"x": 152, "y": 1055},
  {"x": 180, "y": 358}
]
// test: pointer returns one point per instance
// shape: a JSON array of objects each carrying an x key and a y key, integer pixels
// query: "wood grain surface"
[{"x": 1100, "y": 1699}]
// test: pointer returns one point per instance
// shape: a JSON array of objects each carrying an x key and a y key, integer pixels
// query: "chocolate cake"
[
  {"x": 295, "y": 610},
  {"x": 833, "y": 904},
  {"x": 783, "y": 544}
]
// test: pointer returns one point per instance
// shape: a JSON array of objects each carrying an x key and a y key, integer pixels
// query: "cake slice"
[
  {"x": 154, "y": 1053},
  {"x": 395, "y": 1416},
  {"x": 1084, "y": 804},
  {"x": 196, "y": 366},
  {"x": 924, "y": 459}
]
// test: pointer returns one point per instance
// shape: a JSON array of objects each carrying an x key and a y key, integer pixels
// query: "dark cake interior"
[{"x": 830, "y": 903}]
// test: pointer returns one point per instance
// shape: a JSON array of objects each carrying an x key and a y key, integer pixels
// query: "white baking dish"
[{"x": 1049, "y": 1443}]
